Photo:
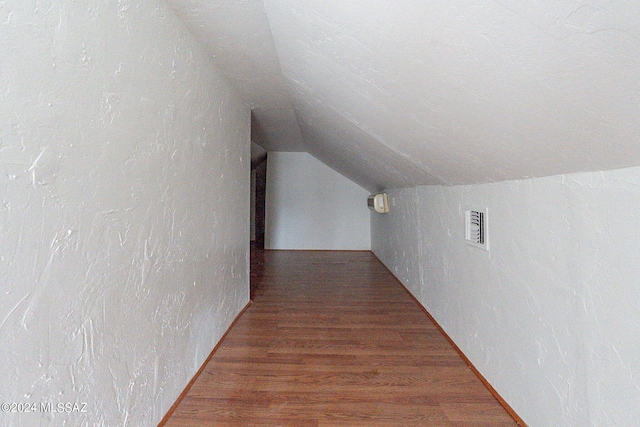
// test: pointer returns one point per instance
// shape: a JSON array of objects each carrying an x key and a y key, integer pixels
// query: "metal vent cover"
[{"x": 476, "y": 230}]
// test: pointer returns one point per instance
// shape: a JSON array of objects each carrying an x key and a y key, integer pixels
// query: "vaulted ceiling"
[{"x": 408, "y": 92}]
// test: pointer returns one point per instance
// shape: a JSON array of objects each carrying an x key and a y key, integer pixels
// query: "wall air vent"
[{"x": 476, "y": 230}]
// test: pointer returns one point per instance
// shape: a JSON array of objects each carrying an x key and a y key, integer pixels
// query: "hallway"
[{"x": 332, "y": 339}]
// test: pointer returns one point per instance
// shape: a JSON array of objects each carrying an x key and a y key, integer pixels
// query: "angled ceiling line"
[
  {"x": 417, "y": 164},
  {"x": 466, "y": 93}
]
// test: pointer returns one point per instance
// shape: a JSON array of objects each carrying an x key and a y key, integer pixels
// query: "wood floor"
[{"x": 332, "y": 339}]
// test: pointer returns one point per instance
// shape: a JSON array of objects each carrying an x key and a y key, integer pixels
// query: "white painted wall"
[
  {"x": 310, "y": 206},
  {"x": 124, "y": 214},
  {"x": 551, "y": 314}
]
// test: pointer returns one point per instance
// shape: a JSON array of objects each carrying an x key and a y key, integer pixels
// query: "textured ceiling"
[
  {"x": 408, "y": 92},
  {"x": 238, "y": 35}
]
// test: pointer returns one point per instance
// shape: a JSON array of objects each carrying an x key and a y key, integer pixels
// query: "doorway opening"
[{"x": 258, "y": 201}]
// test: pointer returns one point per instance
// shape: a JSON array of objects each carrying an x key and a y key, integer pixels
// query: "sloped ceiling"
[{"x": 409, "y": 92}]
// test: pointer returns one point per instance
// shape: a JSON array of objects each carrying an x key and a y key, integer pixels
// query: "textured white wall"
[
  {"x": 124, "y": 214},
  {"x": 310, "y": 206},
  {"x": 551, "y": 314}
]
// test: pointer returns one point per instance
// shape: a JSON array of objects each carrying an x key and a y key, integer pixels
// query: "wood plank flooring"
[{"x": 332, "y": 339}]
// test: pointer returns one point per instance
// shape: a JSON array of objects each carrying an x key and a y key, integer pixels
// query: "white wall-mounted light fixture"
[{"x": 378, "y": 202}]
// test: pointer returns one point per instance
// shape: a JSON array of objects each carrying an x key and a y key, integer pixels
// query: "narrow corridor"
[{"x": 332, "y": 339}]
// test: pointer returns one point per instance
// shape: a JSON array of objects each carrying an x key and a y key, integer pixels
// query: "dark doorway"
[{"x": 259, "y": 167}]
